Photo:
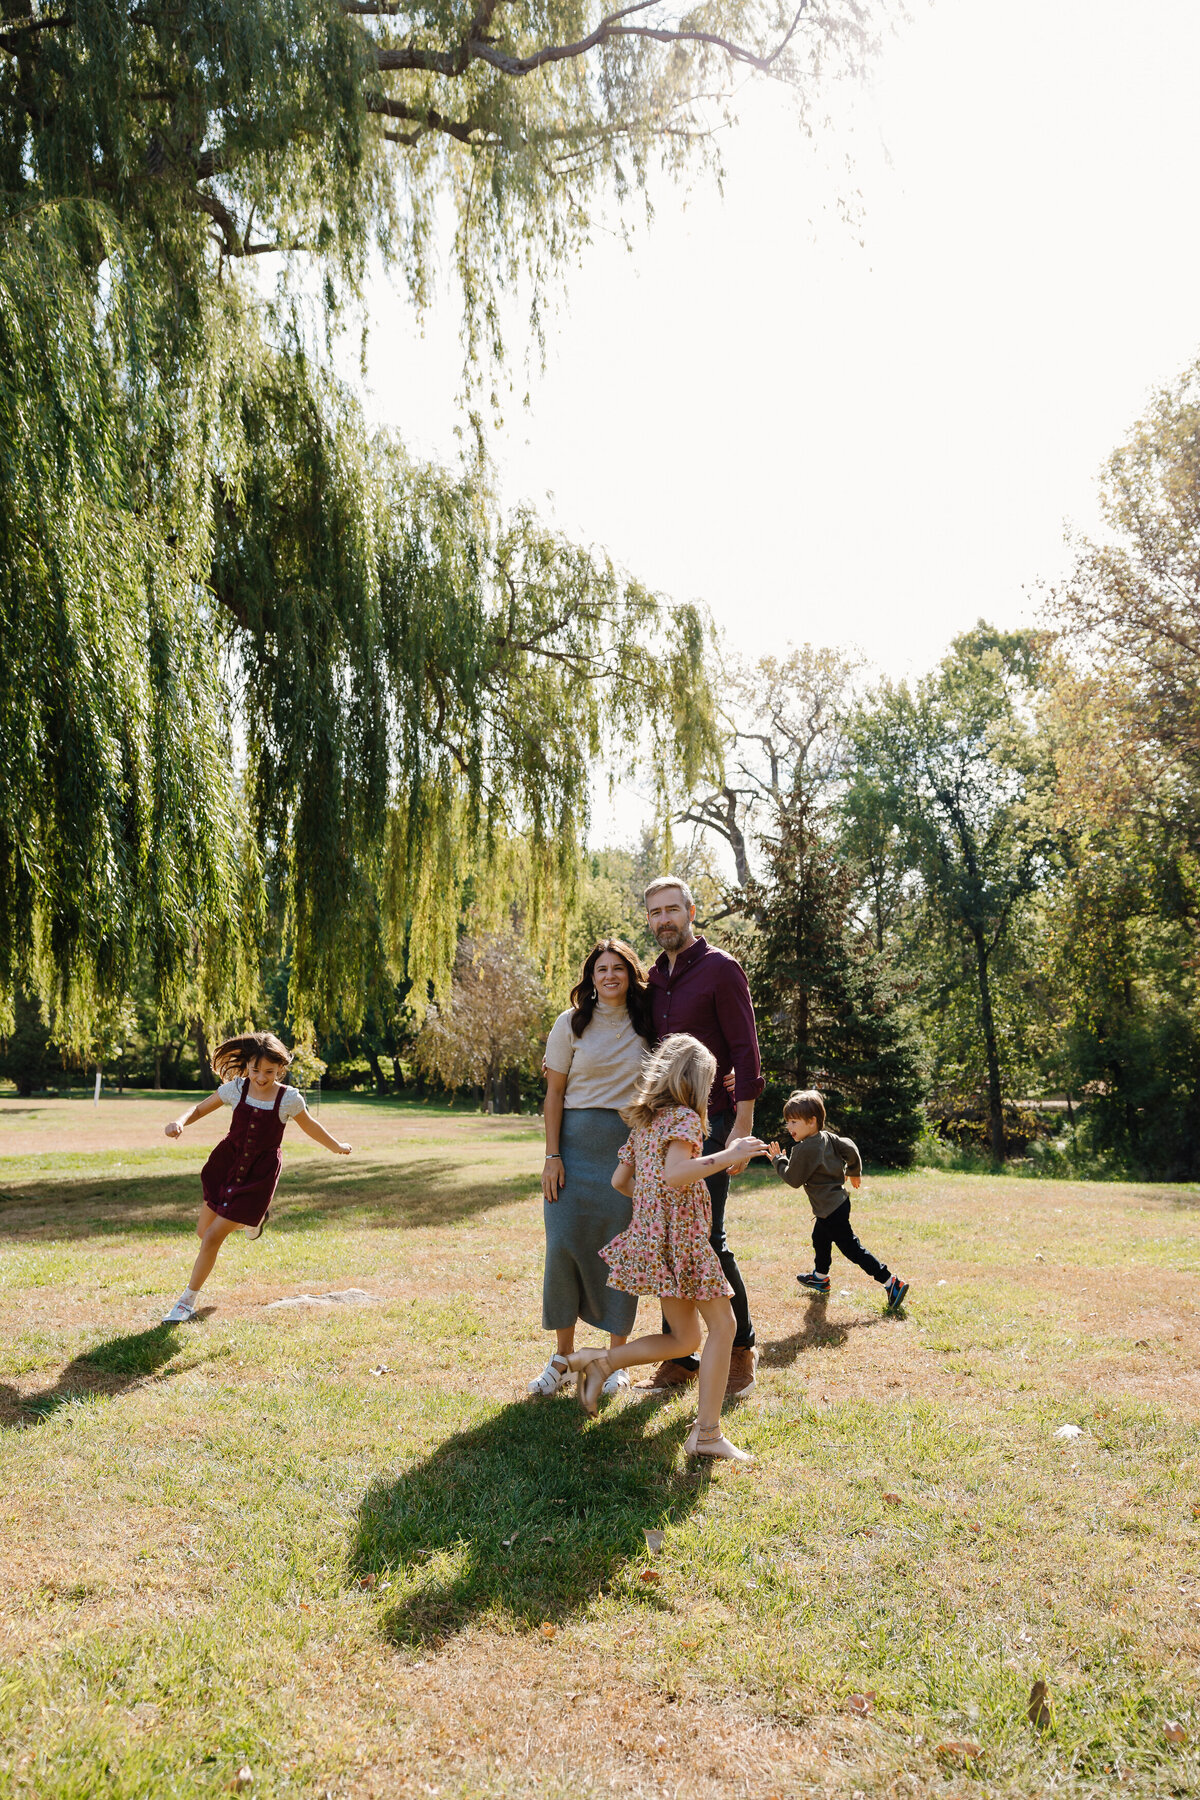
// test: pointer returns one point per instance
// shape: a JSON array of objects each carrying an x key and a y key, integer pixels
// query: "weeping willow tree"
[{"x": 248, "y": 648}]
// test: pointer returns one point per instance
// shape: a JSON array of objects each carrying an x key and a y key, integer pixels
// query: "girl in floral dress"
[{"x": 665, "y": 1250}]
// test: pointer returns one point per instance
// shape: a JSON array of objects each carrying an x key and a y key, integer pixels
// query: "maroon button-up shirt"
[{"x": 707, "y": 995}]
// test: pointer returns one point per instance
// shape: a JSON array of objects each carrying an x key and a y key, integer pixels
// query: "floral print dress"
[{"x": 665, "y": 1250}]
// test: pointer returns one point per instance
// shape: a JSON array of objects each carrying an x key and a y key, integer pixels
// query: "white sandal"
[
  {"x": 617, "y": 1382},
  {"x": 551, "y": 1377}
]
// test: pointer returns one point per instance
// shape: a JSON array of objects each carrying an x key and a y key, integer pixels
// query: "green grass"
[{"x": 336, "y": 1546}]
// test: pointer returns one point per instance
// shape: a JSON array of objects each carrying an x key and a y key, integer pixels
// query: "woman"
[{"x": 593, "y": 1059}]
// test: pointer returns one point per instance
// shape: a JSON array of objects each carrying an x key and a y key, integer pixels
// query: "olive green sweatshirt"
[{"x": 818, "y": 1164}]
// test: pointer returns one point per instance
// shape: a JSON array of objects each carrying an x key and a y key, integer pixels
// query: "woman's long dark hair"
[{"x": 637, "y": 999}]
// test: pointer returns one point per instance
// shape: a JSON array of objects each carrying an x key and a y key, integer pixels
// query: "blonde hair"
[
  {"x": 679, "y": 1073},
  {"x": 234, "y": 1056}
]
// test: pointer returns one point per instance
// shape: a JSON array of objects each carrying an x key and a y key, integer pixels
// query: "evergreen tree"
[{"x": 828, "y": 1014}]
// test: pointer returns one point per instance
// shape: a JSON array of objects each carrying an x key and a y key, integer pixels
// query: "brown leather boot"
[
  {"x": 742, "y": 1364},
  {"x": 666, "y": 1377}
]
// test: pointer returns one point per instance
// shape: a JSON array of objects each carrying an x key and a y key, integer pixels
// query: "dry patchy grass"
[{"x": 337, "y": 1546}]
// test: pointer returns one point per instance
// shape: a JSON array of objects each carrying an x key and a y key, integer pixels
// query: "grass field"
[{"x": 335, "y": 1547}]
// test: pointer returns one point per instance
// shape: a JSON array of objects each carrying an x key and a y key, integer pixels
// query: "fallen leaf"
[
  {"x": 623, "y": 1637},
  {"x": 893, "y": 1500},
  {"x": 1039, "y": 1706},
  {"x": 690, "y": 1644},
  {"x": 1142, "y": 1344},
  {"x": 1174, "y": 1734},
  {"x": 367, "y": 1581},
  {"x": 304, "y": 1606},
  {"x": 649, "y": 1575},
  {"x": 241, "y": 1780},
  {"x": 1069, "y": 1431},
  {"x": 1196, "y": 1510},
  {"x": 861, "y": 1704},
  {"x": 1038, "y": 1257},
  {"x": 383, "y": 1369},
  {"x": 508, "y": 1542},
  {"x": 959, "y": 1750},
  {"x": 548, "y": 1630},
  {"x": 975, "y": 1526},
  {"x": 654, "y": 1540},
  {"x": 545, "y": 1540}
]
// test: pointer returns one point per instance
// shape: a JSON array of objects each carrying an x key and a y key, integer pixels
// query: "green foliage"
[
  {"x": 959, "y": 773},
  {"x": 25, "y": 1048},
  {"x": 200, "y": 543},
  {"x": 828, "y": 1011}
]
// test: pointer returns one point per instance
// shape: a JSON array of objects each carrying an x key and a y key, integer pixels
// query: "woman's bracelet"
[{"x": 553, "y": 1156}]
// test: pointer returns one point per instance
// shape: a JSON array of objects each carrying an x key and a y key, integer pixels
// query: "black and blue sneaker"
[
  {"x": 895, "y": 1291},
  {"x": 816, "y": 1284}
]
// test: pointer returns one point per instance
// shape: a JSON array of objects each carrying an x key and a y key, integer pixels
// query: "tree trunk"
[
  {"x": 995, "y": 1096},
  {"x": 381, "y": 1086},
  {"x": 200, "y": 1040},
  {"x": 158, "y": 1068},
  {"x": 802, "y": 1027}
]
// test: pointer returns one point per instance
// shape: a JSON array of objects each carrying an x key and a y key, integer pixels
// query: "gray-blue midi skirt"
[{"x": 588, "y": 1213}]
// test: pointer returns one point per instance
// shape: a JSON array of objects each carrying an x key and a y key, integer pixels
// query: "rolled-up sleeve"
[{"x": 735, "y": 1011}]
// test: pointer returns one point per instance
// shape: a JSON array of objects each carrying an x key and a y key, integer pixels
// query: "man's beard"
[{"x": 669, "y": 936}]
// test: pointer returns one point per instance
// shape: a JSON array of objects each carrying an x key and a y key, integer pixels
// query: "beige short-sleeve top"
[{"x": 603, "y": 1065}]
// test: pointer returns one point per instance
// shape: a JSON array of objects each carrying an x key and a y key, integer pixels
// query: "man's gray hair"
[{"x": 669, "y": 881}]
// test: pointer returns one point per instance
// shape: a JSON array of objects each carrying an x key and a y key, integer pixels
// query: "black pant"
[
  {"x": 718, "y": 1193},
  {"x": 837, "y": 1229}
]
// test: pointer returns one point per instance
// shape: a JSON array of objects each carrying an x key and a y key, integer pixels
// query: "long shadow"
[
  {"x": 106, "y": 1369},
  {"x": 817, "y": 1332},
  {"x": 384, "y": 1196},
  {"x": 528, "y": 1516}
]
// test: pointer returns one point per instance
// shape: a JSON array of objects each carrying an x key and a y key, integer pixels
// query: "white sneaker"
[
  {"x": 551, "y": 1377},
  {"x": 617, "y": 1380},
  {"x": 179, "y": 1314}
]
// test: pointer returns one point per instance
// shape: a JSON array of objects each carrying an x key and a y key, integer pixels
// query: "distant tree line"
[
  {"x": 973, "y": 900},
  {"x": 968, "y": 904}
]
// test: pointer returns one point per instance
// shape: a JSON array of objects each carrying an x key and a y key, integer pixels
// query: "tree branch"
[{"x": 611, "y": 27}]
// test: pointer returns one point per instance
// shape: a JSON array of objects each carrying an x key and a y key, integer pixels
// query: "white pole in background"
[{"x": 96, "y": 1095}]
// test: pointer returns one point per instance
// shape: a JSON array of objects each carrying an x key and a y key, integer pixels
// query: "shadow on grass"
[
  {"x": 106, "y": 1369},
  {"x": 527, "y": 1517},
  {"x": 817, "y": 1332},
  {"x": 381, "y": 1196}
]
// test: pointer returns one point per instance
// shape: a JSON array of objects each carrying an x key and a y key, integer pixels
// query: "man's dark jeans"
[
  {"x": 718, "y": 1193},
  {"x": 837, "y": 1229}
]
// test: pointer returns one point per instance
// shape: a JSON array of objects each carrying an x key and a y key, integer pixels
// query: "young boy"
[{"x": 818, "y": 1163}]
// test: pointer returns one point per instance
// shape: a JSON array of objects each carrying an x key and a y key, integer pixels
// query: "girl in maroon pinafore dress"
[{"x": 239, "y": 1179}]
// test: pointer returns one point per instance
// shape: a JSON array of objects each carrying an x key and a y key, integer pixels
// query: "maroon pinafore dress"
[{"x": 240, "y": 1176}]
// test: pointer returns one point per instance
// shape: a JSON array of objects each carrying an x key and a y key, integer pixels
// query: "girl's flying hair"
[
  {"x": 234, "y": 1056},
  {"x": 679, "y": 1073}
]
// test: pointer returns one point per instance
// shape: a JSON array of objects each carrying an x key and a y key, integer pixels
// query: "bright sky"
[{"x": 872, "y": 434}]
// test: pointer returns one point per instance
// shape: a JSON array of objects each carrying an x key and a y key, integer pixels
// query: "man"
[{"x": 701, "y": 990}]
